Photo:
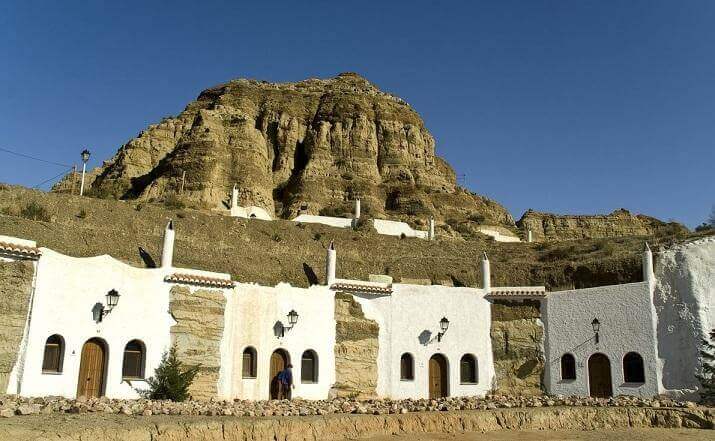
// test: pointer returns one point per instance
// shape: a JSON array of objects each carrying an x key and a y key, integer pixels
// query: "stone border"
[{"x": 335, "y": 427}]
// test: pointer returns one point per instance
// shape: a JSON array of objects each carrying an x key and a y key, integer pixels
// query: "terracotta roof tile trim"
[
  {"x": 193, "y": 279},
  {"x": 22, "y": 250},
  {"x": 361, "y": 288}
]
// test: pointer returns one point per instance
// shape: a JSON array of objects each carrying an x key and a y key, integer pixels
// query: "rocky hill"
[
  {"x": 306, "y": 147},
  {"x": 620, "y": 223}
]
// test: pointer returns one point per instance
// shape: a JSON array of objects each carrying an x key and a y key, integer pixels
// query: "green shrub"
[
  {"x": 35, "y": 211},
  {"x": 171, "y": 380},
  {"x": 707, "y": 379},
  {"x": 82, "y": 214}
]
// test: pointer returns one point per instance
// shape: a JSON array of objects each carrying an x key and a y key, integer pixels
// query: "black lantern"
[
  {"x": 292, "y": 317},
  {"x": 112, "y": 298},
  {"x": 443, "y": 326},
  {"x": 85, "y": 155},
  {"x": 596, "y": 325}
]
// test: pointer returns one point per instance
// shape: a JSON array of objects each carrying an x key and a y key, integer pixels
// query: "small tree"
[
  {"x": 707, "y": 379},
  {"x": 171, "y": 381}
]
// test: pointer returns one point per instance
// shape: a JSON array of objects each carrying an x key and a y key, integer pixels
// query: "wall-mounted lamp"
[
  {"x": 292, "y": 320},
  {"x": 596, "y": 325},
  {"x": 443, "y": 326},
  {"x": 112, "y": 300}
]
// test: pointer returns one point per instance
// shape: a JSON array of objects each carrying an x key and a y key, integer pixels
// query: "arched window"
[
  {"x": 407, "y": 367},
  {"x": 134, "y": 355},
  {"x": 54, "y": 354},
  {"x": 568, "y": 367},
  {"x": 468, "y": 369},
  {"x": 633, "y": 371},
  {"x": 309, "y": 367},
  {"x": 249, "y": 363}
]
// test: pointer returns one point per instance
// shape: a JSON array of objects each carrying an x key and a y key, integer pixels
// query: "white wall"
[
  {"x": 338, "y": 222},
  {"x": 66, "y": 290},
  {"x": 685, "y": 305},
  {"x": 409, "y": 322},
  {"x": 250, "y": 212},
  {"x": 256, "y": 309},
  {"x": 396, "y": 228},
  {"x": 499, "y": 236},
  {"x": 627, "y": 324}
]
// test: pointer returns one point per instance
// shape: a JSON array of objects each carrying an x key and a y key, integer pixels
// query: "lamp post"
[
  {"x": 112, "y": 300},
  {"x": 443, "y": 326},
  {"x": 85, "y": 157},
  {"x": 596, "y": 325},
  {"x": 292, "y": 320}
]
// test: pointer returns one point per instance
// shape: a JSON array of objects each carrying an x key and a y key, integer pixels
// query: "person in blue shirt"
[{"x": 285, "y": 383}]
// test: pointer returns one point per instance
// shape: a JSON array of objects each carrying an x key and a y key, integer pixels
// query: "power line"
[
  {"x": 32, "y": 157},
  {"x": 64, "y": 172}
]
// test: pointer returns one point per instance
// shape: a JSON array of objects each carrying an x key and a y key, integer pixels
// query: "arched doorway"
[
  {"x": 438, "y": 378},
  {"x": 599, "y": 376},
  {"x": 279, "y": 361},
  {"x": 92, "y": 369}
]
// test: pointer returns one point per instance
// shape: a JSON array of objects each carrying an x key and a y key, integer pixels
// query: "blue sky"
[{"x": 563, "y": 106}]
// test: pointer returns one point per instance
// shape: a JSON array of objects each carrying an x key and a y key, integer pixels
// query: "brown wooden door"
[
  {"x": 599, "y": 376},
  {"x": 279, "y": 361},
  {"x": 91, "y": 369},
  {"x": 438, "y": 386}
]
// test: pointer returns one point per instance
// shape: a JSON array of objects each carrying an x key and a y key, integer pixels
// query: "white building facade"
[{"x": 432, "y": 340}]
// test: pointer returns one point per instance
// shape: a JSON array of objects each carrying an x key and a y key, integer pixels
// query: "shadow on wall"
[{"x": 425, "y": 337}]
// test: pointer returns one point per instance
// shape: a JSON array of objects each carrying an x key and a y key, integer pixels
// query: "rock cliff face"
[
  {"x": 305, "y": 147},
  {"x": 15, "y": 291},
  {"x": 547, "y": 226}
]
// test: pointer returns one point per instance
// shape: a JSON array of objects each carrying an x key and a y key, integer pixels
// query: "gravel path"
[{"x": 551, "y": 435}]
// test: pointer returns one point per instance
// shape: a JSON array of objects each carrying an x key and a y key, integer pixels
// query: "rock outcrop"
[
  {"x": 548, "y": 226},
  {"x": 305, "y": 147},
  {"x": 15, "y": 291},
  {"x": 197, "y": 334},
  {"x": 356, "y": 350}
]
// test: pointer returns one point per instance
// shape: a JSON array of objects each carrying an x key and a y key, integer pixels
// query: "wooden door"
[
  {"x": 279, "y": 360},
  {"x": 599, "y": 376},
  {"x": 438, "y": 386},
  {"x": 91, "y": 369}
]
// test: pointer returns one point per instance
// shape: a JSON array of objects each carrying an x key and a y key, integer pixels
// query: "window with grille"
[
  {"x": 249, "y": 363},
  {"x": 133, "y": 366},
  {"x": 54, "y": 354},
  {"x": 309, "y": 367},
  {"x": 407, "y": 367},
  {"x": 468, "y": 369}
]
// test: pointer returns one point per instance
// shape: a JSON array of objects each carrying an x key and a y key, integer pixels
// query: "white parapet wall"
[
  {"x": 499, "y": 235},
  {"x": 338, "y": 222},
  {"x": 397, "y": 228},
  {"x": 251, "y": 212}
]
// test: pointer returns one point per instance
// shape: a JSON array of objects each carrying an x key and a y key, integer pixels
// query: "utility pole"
[
  {"x": 183, "y": 179},
  {"x": 74, "y": 178},
  {"x": 85, "y": 158}
]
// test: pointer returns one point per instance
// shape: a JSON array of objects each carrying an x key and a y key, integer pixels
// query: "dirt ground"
[{"x": 562, "y": 435}]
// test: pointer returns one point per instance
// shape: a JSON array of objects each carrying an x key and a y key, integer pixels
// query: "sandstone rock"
[
  {"x": 7, "y": 413},
  {"x": 306, "y": 147},
  {"x": 15, "y": 287}
]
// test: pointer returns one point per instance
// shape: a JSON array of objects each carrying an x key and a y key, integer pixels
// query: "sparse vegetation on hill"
[{"x": 250, "y": 251}]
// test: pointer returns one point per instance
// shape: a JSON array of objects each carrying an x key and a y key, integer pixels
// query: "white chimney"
[
  {"x": 486, "y": 274},
  {"x": 330, "y": 263},
  {"x": 529, "y": 237},
  {"x": 234, "y": 197},
  {"x": 356, "y": 211},
  {"x": 648, "y": 274},
  {"x": 430, "y": 232},
  {"x": 167, "y": 252}
]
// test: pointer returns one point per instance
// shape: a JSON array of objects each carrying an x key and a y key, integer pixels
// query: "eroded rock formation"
[
  {"x": 305, "y": 147},
  {"x": 620, "y": 223},
  {"x": 197, "y": 334},
  {"x": 15, "y": 290}
]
